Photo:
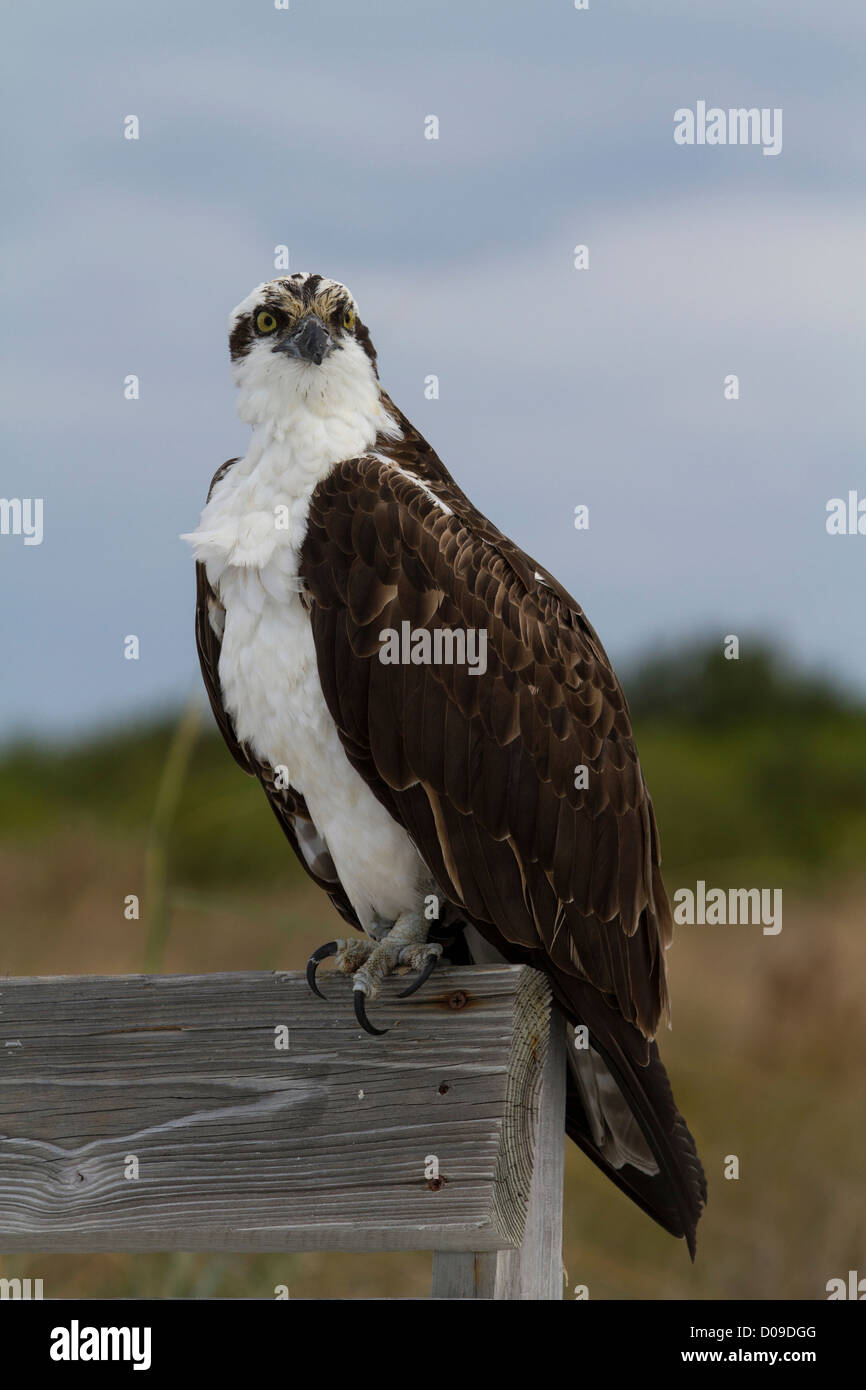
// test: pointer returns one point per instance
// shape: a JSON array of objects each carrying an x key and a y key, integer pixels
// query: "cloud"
[{"x": 557, "y": 386}]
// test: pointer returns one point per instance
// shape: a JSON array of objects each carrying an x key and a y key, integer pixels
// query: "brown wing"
[
  {"x": 287, "y": 804},
  {"x": 485, "y": 774},
  {"x": 485, "y": 771}
]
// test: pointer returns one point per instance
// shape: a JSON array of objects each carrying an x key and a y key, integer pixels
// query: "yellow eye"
[
  {"x": 265, "y": 322},
  {"x": 349, "y": 319}
]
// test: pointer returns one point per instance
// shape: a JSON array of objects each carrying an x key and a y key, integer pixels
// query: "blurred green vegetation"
[
  {"x": 753, "y": 768},
  {"x": 758, "y": 774}
]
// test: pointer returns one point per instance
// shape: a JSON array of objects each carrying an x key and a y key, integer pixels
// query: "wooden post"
[
  {"x": 534, "y": 1271},
  {"x": 239, "y": 1112}
]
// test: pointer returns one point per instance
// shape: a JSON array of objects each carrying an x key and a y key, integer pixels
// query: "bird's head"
[{"x": 299, "y": 338}]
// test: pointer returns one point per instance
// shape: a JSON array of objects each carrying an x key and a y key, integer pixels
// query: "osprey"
[{"x": 493, "y": 809}]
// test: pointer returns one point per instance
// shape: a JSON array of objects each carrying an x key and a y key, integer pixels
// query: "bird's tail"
[
  {"x": 621, "y": 1111},
  {"x": 619, "y": 1106}
]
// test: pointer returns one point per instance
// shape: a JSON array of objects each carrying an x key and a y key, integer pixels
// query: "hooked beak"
[{"x": 310, "y": 341}]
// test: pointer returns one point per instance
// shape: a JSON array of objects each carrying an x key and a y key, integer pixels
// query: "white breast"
[{"x": 268, "y": 671}]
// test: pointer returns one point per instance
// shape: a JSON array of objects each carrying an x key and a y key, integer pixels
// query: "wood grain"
[
  {"x": 534, "y": 1271},
  {"x": 242, "y": 1146}
]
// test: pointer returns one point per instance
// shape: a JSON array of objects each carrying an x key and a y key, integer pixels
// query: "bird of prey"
[{"x": 490, "y": 810}]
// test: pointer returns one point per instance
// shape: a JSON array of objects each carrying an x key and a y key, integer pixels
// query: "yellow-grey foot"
[
  {"x": 350, "y": 956},
  {"x": 405, "y": 947}
]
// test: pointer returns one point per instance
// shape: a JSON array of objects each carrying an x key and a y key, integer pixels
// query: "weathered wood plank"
[
  {"x": 534, "y": 1271},
  {"x": 242, "y": 1146},
  {"x": 457, "y": 1274}
]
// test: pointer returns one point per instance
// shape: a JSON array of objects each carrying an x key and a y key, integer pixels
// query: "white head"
[{"x": 299, "y": 340}]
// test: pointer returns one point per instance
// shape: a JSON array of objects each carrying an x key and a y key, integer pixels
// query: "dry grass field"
[
  {"x": 766, "y": 1056},
  {"x": 769, "y": 1032}
]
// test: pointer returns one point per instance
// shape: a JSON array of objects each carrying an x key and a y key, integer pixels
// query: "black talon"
[
  {"x": 422, "y": 978},
  {"x": 330, "y": 948},
  {"x": 361, "y": 1015}
]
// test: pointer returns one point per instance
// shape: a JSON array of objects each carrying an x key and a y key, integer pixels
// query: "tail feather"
[
  {"x": 619, "y": 1107},
  {"x": 663, "y": 1175}
]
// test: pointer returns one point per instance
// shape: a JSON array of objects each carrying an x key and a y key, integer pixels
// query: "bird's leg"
[
  {"x": 349, "y": 955},
  {"x": 405, "y": 947}
]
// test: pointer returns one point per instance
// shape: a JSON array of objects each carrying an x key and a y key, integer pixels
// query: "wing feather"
[
  {"x": 503, "y": 747},
  {"x": 481, "y": 771}
]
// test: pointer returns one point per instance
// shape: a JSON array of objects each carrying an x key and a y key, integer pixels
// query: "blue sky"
[{"x": 557, "y": 386}]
